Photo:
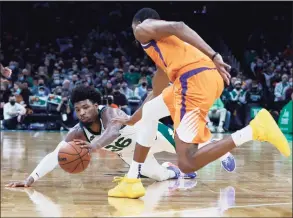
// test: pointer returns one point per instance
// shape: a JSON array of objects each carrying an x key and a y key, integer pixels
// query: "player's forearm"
[
  {"x": 106, "y": 138},
  {"x": 188, "y": 35},
  {"x": 47, "y": 164}
]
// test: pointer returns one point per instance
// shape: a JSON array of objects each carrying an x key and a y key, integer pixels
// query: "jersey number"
[{"x": 119, "y": 144}]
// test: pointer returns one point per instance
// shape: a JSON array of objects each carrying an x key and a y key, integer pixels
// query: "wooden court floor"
[{"x": 260, "y": 187}]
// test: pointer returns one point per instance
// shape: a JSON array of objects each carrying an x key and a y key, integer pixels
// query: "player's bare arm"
[
  {"x": 160, "y": 81},
  {"x": 151, "y": 29},
  {"x": 48, "y": 160},
  {"x": 111, "y": 130}
]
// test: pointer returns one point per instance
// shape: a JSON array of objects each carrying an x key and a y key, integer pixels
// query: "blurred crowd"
[
  {"x": 266, "y": 84},
  {"x": 45, "y": 71},
  {"x": 123, "y": 82}
]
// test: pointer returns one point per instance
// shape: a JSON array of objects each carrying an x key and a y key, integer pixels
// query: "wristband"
[
  {"x": 34, "y": 176},
  {"x": 213, "y": 57}
]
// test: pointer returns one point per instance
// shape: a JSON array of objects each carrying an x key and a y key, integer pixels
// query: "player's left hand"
[
  {"x": 84, "y": 144},
  {"x": 222, "y": 68}
]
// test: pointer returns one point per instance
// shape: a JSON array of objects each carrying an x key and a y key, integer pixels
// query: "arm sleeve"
[{"x": 47, "y": 164}]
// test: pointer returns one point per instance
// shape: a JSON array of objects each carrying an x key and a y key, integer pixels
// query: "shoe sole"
[{"x": 138, "y": 195}]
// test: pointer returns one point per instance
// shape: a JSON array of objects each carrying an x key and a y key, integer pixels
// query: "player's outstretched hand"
[
  {"x": 26, "y": 183},
  {"x": 83, "y": 144},
  {"x": 223, "y": 68}
]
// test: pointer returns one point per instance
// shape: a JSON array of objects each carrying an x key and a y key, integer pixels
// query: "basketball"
[{"x": 73, "y": 159}]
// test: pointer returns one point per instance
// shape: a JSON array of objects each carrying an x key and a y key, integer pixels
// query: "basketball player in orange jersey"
[{"x": 197, "y": 73}]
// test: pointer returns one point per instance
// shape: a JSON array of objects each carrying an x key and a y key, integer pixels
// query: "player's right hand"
[
  {"x": 84, "y": 144},
  {"x": 26, "y": 183},
  {"x": 222, "y": 68}
]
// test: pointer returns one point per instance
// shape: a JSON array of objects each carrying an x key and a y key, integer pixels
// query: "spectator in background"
[
  {"x": 141, "y": 90},
  {"x": 120, "y": 100},
  {"x": 16, "y": 88},
  {"x": 56, "y": 78},
  {"x": 13, "y": 113},
  {"x": 253, "y": 98},
  {"x": 74, "y": 79},
  {"x": 132, "y": 76},
  {"x": 4, "y": 95},
  {"x": 5, "y": 90},
  {"x": 25, "y": 93},
  {"x": 217, "y": 113},
  {"x": 66, "y": 88},
  {"x": 42, "y": 92},
  {"x": 280, "y": 89},
  {"x": 110, "y": 103},
  {"x": 20, "y": 77},
  {"x": 126, "y": 91},
  {"x": 108, "y": 90},
  {"x": 236, "y": 100},
  {"x": 118, "y": 77},
  {"x": 66, "y": 113},
  {"x": 289, "y": 91},
  {"x": 288, "y": 53},
  {"x": 89, "y": 79},
  {"x": 28, "y": 77},
  {"x": 41, "y": 83},
  {"x": 43, "y": 74}
]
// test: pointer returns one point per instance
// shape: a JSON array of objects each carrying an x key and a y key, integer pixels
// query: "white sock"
[
  {"x": 242, "y": 136},
  {"x": 134, "y": 170}
]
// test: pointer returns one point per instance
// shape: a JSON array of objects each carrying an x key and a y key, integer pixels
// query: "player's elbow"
[
  {"x": 115, "y": 135},
  {"x": 178, "y": 27}
]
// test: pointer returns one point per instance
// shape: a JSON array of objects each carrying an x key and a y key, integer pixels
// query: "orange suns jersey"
[{"x": 175, "y": 56}]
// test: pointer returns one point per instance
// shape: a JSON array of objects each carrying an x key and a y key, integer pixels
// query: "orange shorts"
[{"x": 189, "y": 100}]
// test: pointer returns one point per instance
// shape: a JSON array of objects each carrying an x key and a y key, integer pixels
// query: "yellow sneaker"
[
  {"x": 264, "y": 128},
  {"x": 127, "y": 188}
]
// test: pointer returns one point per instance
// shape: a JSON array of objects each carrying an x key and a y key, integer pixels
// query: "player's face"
[{"x": 86, "y": 111}]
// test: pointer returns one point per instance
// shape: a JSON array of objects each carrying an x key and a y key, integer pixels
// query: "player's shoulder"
[
  {"x": 75, "y": 132},
  {"x": 110, "y": 112}
]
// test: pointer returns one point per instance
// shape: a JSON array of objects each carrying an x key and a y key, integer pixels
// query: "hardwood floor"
[{"x": 260, "y": 187}]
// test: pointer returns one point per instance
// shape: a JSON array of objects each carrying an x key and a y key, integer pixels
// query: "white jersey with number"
[{"x": 125, "y": 143}]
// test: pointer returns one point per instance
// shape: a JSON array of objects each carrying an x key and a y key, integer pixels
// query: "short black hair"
[
  {"x": 145, "y": 13},
  {"x": 82, "y": 92}
]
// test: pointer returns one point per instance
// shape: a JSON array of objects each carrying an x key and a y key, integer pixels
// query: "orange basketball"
[{"x": 73, "y": 159}]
